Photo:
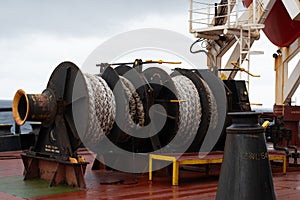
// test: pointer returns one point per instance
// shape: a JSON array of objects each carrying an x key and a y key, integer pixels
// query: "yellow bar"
[
  {"x": 175, "y": 173},
  {"x": 284, "y": 165},
  {"x": 265, "y": 124},
  {"x": 256, "y": 104},
  {"x": 162, "y": 157},
  {"x": 150, "y": 168},
  {"x": 161, "y": 62},
  {"x": 214, "y": 161},
  {"x": 196, "y": 162},
  {"x": 243, "y": 69},
  {"x": 176, "y": 164},
  {"x": 276, "y": 157},
  {"x": 176, "y": 63},
  {"x": 177, "y": 101},
  {"x": 280, "y": 157}
]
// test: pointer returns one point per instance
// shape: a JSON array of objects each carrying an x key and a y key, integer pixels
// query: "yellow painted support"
[
  {"x": 175, "y": 172},
  {"x": 280, "y": 157},
  {"x": 176, "y": 163},
  {"x": 150, "y": 167},
  {"x": 284, "y": 165}
]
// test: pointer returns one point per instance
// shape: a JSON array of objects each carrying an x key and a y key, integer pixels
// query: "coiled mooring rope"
[
  {"x": 212, "y": 105},
  {"x": 189, "y": 110},
  {"x": 102, "y": 109},
  {"x": 134, "y": 111}
]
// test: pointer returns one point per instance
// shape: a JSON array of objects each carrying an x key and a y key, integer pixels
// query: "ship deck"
[{"x": 103, "y": 184}]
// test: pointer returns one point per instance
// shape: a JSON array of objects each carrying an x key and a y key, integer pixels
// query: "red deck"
[{"x": 193, "y": 185}]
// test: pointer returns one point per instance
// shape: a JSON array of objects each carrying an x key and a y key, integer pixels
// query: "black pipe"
[
  {"x": 281, "y": 149},
  {"x": 5, "y": 109},
  {"x": 295, "y": 156},
  {"x": 17, "y": 129},
  {"x": 228, "y": 69}
]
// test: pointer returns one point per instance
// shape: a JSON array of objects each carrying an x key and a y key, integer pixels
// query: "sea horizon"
[{"x": 7, "y": 118}]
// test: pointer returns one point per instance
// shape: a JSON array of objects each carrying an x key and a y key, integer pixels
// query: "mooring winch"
[{"x": 117, "y": 104}]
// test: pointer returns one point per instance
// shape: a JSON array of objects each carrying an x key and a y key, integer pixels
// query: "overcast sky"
[{"x": 37, "y": 35}]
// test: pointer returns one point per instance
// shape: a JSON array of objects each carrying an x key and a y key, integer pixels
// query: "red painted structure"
[
  {"x": 280, "y": 29},
  {"x": 193, "y": 184},
  {"x": 291, "y": 117}
]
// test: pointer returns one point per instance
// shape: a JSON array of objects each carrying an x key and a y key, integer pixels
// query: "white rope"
[
  {"x": 102, "y": 109},
  {"x": 212, "y": 104},
  {"x": 134, "y": 111},
  {"x": 189, "y": 110}
]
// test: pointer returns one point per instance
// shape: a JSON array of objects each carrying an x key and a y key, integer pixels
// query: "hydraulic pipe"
[{"x": 34, "y": 107}]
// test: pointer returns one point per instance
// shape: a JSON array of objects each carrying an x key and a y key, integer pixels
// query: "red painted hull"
[
  {"x": 279, "y": 27},
  {"x": 247, "y": 3}
]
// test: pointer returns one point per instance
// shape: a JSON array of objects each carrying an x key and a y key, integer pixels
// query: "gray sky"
[
  {"x": 37, "y": 35},
  {"x": 77, "y": 18}
]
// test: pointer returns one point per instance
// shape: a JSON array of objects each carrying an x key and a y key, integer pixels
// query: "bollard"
[
  {"x": 245, "y": 172},
  {"x": 34, "y": 107}
]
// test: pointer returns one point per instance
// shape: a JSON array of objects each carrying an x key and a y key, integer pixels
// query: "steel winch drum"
[{"x": 92, "y": 107}]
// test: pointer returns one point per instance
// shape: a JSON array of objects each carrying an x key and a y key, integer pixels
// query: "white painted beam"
[
  {"x": 293, "y": 8},
  {"x": 288, "y": 53},
  {"x": 267, "y": 6},
  {"x": 292, "y": 83}
]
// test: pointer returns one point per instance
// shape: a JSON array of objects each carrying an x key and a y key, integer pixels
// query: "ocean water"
[{"x": 7, "y": 118}]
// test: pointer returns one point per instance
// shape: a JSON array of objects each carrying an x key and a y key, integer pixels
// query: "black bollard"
[{"x": 246, "y": 172}]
